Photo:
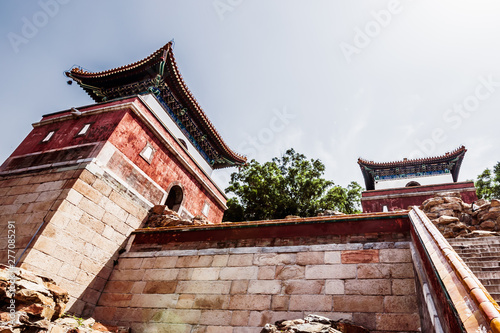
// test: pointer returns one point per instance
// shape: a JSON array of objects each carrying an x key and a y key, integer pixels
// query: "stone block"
[
  {"x": 398, "y": 322},
  {"x": 87, "y": 177},
  {"x": 310, "y": 258},
  {"x": 406, "y": 304},
  {"x": 112, "y": 208},
  {"x": 310, "y": 303},
  {"x": 240, "y": 318},
  {"x": 367, "y": 320},
  {"x": 403, "y": 287},
  {"x": 358, "y": 303},
  {"x": 250, "y": 302},
  {"x": 31, "y": 197},
  {"x": 240, "y": 260},
  {"x": 280, "y": 302},
  {"x": 203, "y": 287},
  {"x": 220, "y": 260},
  {"x": 213, "y": 302},
  {"x": 178, "y": 316},
  {"x": 266, "y": 272},
  {"x": 368, "y": 287},
  {"x": 395, "y": 255},
  {"x": 127, "y": 275},
  {"x": 185, "y": 301},
  {"x": 339, "y": 271},
  {"x": 332, "y": 257},
  {"x": 185, "y": 274},
  {"x": 92, "y": 223},
  {"x": 239, "y": 273},
  {"x": 149, "y": 300},
  {"x": 115, "y": 300},
  {"x": 160, "y": 274},
  {"x": 91, "y": 208},
  {"x": 138, "y": 287},
  {"x": 334, "y": 287},
  {"x": 261, "y": 318},
  {"x": 219, "y": 329},
  {"x": 160, "y": 287},
  {"x": 308, "y": 287},
  {"x": 289, "y": 272},
  {"x": 272, "y": 259},
  {"x": 102, "y": 187},
  {"x": 194, "y": 261},
  {"x": 239, "y": 287},
  {"x": 165, "y": 262},
  {"x": 127, "y": 205},
  {"x": 87, "y": 191},
  {"x": 360, "y": 256},
  {"x": 264, "y": 287},
  {"x": 123, "y": 287},
  {"x": 148, "y": 263},
  {"x": 401, "y": 271},
  {"x": 210, "y": 273},
  {"x": 216, "y": 317},
  {"x": 374, "y": 271}
]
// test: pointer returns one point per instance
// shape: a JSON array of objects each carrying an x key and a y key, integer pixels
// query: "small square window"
[
  {"x": 48, "y": 136},
  {"x": 84, "y": 129},
  {"x": 205, "y": 209},
  {"x": 148, "y": 152}
]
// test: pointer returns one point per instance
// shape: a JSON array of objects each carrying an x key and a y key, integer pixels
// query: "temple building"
[
  {"x": 397, "y": 185},
  {"x": 84, "y": 178}
]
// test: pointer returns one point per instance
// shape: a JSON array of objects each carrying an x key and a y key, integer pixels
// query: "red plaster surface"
[
  {"x": 131, "y": 136},
  {"x": 402, "y": 198},
  {"x": 66, "y": 133}
]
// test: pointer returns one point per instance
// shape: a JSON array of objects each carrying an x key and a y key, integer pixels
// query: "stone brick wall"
[
  {"x": 241, "y": 289},
  {"x": 85, "y": 219},
  {"x": 27, "y": 200}
]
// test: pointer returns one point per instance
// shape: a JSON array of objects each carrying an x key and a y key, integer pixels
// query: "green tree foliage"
[
  {"x": 488, "y": 183},
  {"x": 290, "y": 185}
]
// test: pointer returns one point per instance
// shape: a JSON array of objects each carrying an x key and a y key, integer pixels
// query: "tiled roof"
[
  {"x": 428, "y": 160},
  {"x": 107, "y": 84}
]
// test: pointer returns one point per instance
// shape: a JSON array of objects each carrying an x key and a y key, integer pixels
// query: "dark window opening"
[
  {"x": 174, "y": 198},
  {"x": 412, "y": 183}
]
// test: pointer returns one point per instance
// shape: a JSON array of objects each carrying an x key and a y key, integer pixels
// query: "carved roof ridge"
[{"x": 446, "y": 157}]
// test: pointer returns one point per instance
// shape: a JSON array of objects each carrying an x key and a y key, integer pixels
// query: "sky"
[{"x": 335, "y": 80}]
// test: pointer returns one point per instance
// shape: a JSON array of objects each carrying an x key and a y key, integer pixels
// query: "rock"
[
  {"x": 495, "y": 203},
  {"x": 313, "y": 324},
  {"x": 292, "y": 217},
  {"x": 488, "y": 225},
  {"x": 447, "y": 219},
  {"x": 429, "y": 203}
]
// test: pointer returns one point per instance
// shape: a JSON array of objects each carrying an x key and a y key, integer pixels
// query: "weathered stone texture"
[
  {"x": 241, "y": 289},
  {"x": 84, "y": 224}
]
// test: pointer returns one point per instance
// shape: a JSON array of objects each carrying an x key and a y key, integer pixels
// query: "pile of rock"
[
  {"x": 455, "y": 218},
  {"x": 34, "y": 303},
  {"x": 161, "y": 216},
  {"x": 313, "y": 324}
]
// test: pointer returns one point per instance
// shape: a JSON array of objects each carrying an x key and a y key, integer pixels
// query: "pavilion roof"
[
  {"x": 158, "y": 74},
  {"x": 450, "y": 161}
]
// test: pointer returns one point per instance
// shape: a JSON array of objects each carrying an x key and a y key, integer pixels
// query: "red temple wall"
[
  {"x": 402, "y": 198},
  {"x": 131, "y": 136}
]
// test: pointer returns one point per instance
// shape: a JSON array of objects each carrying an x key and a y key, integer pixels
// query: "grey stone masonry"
[{"x": 482, "y": 255}]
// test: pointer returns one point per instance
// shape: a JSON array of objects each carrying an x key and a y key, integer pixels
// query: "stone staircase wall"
[{"x": 482, "y": 255}]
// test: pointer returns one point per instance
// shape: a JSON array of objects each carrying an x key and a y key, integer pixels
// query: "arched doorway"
[
  {"x": 412, "y": 183},
  {"x": 174, "y": 198}
]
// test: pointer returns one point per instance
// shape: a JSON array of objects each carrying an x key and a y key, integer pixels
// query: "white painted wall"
[
  {"x": 429, "y": 180},
  {"x": 172, "y": 127}
]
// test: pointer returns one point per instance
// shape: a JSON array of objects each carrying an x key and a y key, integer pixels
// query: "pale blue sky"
[{"x": 336, "y": 80}]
